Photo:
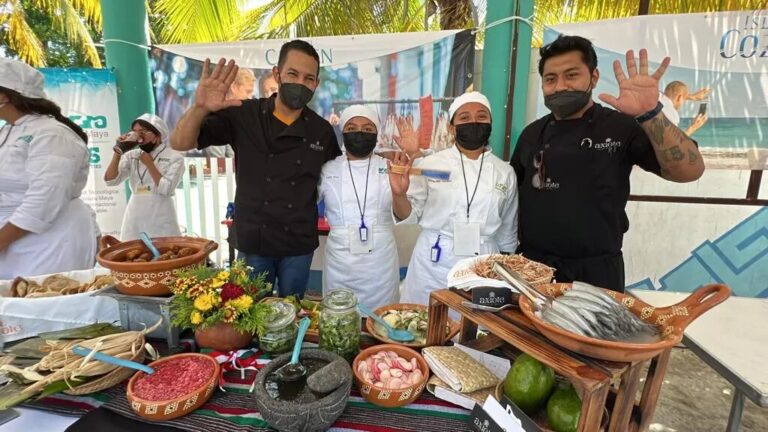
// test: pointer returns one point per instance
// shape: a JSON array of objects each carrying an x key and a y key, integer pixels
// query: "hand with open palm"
[
  {"x": 398, "y": 182},
  {"x": 639, "y": 92},
  {"x": 408, "y": 141},
  {"x": 211, "y": 93}
]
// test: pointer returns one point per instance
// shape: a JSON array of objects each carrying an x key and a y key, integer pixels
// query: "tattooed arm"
[{"x": 677, "y": 154}]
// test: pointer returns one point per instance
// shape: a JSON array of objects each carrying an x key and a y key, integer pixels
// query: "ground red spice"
[{"x": 173, "y": 378}]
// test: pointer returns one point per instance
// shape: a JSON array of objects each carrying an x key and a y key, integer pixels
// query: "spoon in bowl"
[{"x": 392, "y": 333}]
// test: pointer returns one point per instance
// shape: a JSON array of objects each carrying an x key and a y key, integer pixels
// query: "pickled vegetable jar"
[
  {"x": 279, "y": 333},
  {"x": 340, "y": 324}
]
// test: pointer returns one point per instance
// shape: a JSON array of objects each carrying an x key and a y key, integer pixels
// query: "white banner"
[
  {"x": 333, "y": 50},
  {"x": 725, "y": 51},
  {"x": 89, "y": 98}
]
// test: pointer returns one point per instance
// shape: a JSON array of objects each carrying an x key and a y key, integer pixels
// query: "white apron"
[
  {"x": 439, "y": 205},
  {"x": 375, "y": 276},
  {"x": 43, "y": 170},
  {"x": 151, "y": 208}
]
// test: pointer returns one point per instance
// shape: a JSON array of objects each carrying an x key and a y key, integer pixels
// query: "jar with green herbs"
[
  {"x": 339, "y": 326},
  {"x": 279, "y": 332}
]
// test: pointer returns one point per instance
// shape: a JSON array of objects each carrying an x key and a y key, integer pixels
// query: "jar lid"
[
  {"x": 282, "y": 314},
  {"x": 341, "y": 298}
]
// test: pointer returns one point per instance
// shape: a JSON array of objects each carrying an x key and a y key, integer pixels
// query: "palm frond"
[
  {"x": 90, "y": 10},
  {"x": 197, "y": 20},
  {"x": 21, "y": 38},
  {"x": 77, "y": 32}
]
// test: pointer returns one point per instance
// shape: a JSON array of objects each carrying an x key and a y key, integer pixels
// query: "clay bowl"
[
  {"x": 296, "y": 417},
  {"x": 671, "y": 321},
  {"x": 222, "y": 337},
  {"x": 150, "y": 278},
  {"x": 173, "y": 408},
  {"x": 387, "y": 397},
  {"x": 371, "y": 326}
]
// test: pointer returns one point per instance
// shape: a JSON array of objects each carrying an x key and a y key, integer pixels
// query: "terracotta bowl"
[
  {"x": 150, "y": 278},
  {"x": 386, "y": 397},
  {"x": 671, "y": 321},
  {"x": 173, "y": 408},
  {"x": 371, "y": 326},
  {"x": 222, "y": 337}
]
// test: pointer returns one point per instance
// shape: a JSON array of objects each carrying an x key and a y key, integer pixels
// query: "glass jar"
[
  {"x": 339, "y": 325},
  {"x": 279, "y": 333}
]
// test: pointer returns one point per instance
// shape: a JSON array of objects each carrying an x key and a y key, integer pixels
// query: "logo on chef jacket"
[
  {"x": 608, "y": 145},
  {"x": 383, "y": 170},
  {"x": 26, "y": 138},
  {"x": 501, "y": 187},
  {"x": 316, "y": 146}
]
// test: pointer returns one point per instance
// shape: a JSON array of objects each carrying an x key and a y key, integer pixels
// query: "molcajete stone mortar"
[{"x": 301, "y": 417}]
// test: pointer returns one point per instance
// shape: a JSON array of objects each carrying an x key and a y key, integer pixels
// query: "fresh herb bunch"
[{"x": 207, "y": 296}]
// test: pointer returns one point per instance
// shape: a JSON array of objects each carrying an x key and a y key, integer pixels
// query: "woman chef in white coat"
[
  {"x": 360, "y": 252},
  {"x": 44, "y": 160},
  {"x": 474, "y": 213},
  {"x": 154, "y": 170}
]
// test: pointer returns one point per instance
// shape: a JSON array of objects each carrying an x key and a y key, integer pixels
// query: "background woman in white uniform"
[
  {"x": 154, "y": 170},
  {"x": 360, "y": 253},
  {"x": 44, "y": 226},
  {"x": 472, "y": 214}
]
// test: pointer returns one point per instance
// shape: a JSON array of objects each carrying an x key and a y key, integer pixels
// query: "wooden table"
[
  {"x": 601, "y": 383},
  {"x": 718, "y": 338}
]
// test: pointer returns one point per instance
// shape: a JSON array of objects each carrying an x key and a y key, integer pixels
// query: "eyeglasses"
[{"x": 538, "y": 178}]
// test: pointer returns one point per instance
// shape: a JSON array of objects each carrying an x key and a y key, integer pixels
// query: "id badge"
[
  {"x": 357, "y": 246},
  {"x": 466, "y": 239},
  {"x": 142, "y": 189}
]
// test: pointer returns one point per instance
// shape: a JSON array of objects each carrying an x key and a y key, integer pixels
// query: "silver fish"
[
  {"x": 580, "y": 308},
  {"x": 573, "y": 315},
  {"x": 551, "y": 316}
]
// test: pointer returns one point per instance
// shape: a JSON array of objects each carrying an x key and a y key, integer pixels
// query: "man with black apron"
[
  {"x": 573, "y": 165},
  {"x": 280, "y": 147}
]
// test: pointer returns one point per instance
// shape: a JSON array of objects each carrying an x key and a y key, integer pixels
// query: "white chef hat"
[
  {"x": 156, "y": 122},
  {"x": 360, "y": 111},
  {"x": 22, "y": 78},
  {"x": 466, "y": 98}
]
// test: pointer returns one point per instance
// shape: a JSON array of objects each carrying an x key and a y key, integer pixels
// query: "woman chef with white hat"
[
  {"x": 44, "y": 160},
  {"x": 472, "y": 214},
  {"x": 360, "y": 253},
  {"x": 154, "y": 171}
]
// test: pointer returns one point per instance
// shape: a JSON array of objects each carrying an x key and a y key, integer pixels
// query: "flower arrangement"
[{"x": 207, "y": 296}]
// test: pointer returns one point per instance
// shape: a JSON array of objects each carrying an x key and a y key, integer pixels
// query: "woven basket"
[{"x": 109, "y": 380}]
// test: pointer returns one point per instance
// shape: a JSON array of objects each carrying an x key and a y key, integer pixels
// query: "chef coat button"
[
  {"x": 293, "y": 183},
  {"x": 298, "y": 161},
  {"x": 266, "y": 202},
  {"x": 546, "y": 146},
  {"x": 264, "y": 226},
  {"x": 290, "y": 206},
  {"x": 269, "y": 179},
  {"x": 306, "y": 118},
  {"x": 285, "y": 229},
  {"x": 271, "y": 155},
  {"x": 304, "y": 140}
]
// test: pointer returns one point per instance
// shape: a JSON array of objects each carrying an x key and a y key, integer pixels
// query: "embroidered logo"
[
  {"x": 316, "y": 146},
  {"x": 608, "y": 145},
  {"x": 383, "y": 170},
  {"x": 501, "y": 187},
  {"x": 26, "y": 138}
]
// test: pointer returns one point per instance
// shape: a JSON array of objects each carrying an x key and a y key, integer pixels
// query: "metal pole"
[
  {"x": 497, "y": 50},
  {"x": 737, "y": 408},
  {"x": 520, "y": 69},
  {"x": 125, "y": 42}
]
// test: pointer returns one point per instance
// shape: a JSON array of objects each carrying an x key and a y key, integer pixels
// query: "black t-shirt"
[
  {"x": 580, "y": 211},
  {"x": 278, "y": 169}
]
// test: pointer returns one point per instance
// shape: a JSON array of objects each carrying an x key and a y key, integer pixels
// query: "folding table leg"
[{"x": 737, "y": 408}]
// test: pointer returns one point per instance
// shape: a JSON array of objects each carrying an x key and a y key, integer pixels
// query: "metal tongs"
[{"x": 537, "y": 298}]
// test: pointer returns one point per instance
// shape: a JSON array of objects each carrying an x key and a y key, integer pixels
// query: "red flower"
[{"x": 230, "y": 291}]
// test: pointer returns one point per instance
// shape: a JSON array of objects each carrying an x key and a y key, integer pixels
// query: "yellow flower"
[
  {"x": 242, "y": 303},
  {"x": 196, "y": 291},
  {"x": 196, "y": 318},
  {"x": 204, "y": 302},
  {"x": 217, "y": 283},
  {"x": 230, "y": 314},
  {"x": 224, "y": 275}
]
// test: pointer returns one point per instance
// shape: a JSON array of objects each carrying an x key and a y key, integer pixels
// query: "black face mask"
[
  {"x": 360, "y": 144},
  {"x": 147, "y": 148},
  {"x": 472, "y": 136},
  {"x": 295, "y": 96},
  {"x": 566, "y": 103}
]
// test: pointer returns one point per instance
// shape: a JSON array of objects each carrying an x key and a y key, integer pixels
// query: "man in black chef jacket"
[
  {"x": 280, "y": 146},
  {"x": 573, "y": 165}
]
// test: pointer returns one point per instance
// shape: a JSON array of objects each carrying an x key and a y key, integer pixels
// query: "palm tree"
[
  {"x": 188, "y": 21},
  {"x": 74, "y": 18}
]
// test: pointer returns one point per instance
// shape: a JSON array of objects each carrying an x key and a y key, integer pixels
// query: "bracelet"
[{"x": 650, "y": 114}]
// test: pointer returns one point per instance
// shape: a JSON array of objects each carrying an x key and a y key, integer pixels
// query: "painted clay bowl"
[{"x": 390, "y": 398}]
